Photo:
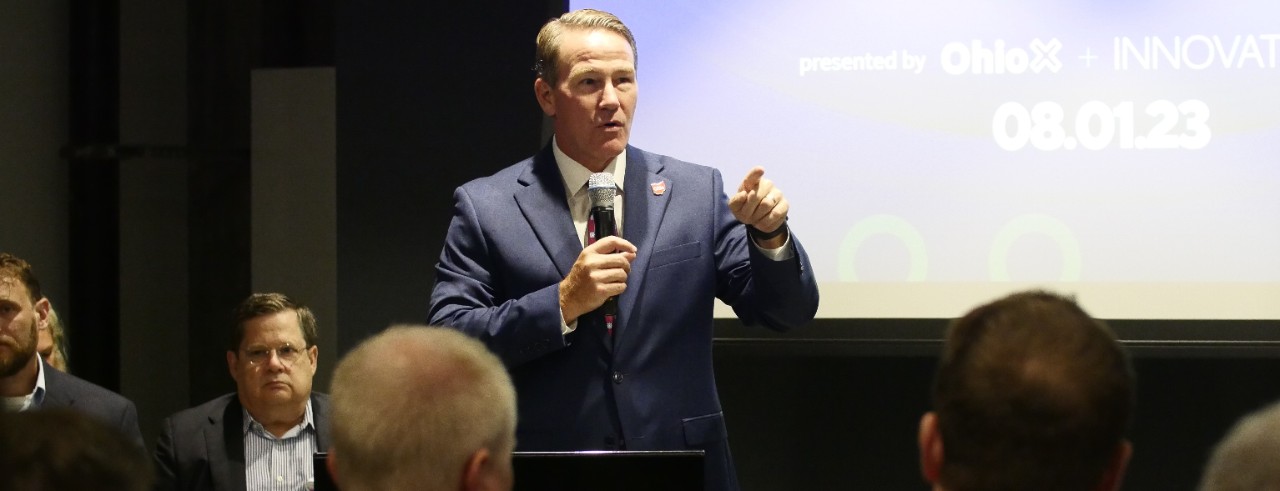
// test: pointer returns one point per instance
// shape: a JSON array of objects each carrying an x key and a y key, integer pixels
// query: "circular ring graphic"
[
  {"x": 883, "y": 225},
  {"x": 1051, "y": 227}
]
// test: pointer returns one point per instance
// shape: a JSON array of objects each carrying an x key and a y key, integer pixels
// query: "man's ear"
[
  {"x": 231, "y": 365},
  {"x": 473, "y": 473},
  {"x": 314, "y": 354},
  {"x": 1114, "y": 474},
  {"x": 331, "y": 463},
  {"x": 542, "y": 91},
  {"x": 931, "y": 452},
  {"x": 42, "y": 308}
]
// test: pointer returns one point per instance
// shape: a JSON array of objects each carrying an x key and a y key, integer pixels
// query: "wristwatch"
[{"x": 759, "y": 235}]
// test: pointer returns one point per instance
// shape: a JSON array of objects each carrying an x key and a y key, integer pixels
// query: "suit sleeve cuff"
[{"x": 780, "y": 254}]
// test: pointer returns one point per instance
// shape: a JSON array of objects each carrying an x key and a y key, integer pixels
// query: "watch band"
[{"x": 759, "y": 235}]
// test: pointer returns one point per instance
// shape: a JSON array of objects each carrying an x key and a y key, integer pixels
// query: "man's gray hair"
[{"x": 1245, "y": 460}]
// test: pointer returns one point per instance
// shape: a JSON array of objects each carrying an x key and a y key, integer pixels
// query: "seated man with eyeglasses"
[{"x": 264, "y": 435}]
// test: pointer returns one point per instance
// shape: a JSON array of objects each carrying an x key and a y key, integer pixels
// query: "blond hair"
[
  {"x": 548, "y": 62},
  {"x": 1244, "y": 459},
  {"x": 57, "y": 356}
]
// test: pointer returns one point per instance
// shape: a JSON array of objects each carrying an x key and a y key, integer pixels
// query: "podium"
[{"x": 604, "y": 470}]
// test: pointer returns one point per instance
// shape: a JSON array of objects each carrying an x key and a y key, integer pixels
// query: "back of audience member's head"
[
  {"x": 1245, "y": 459},
  {"x": 422, "y": 408},
  {"x": 1030, "y": 393},
  {"x": 60, "y": 449}
]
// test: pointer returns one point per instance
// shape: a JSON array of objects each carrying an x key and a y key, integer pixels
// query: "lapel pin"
[{"x": 658, "y": 187}]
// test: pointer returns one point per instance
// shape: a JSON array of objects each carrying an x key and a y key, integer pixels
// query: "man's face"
[
  {"x": 19, "y": 322},
  {"x": 264, "y": 374},
  {"x": 595, "y": 99}
]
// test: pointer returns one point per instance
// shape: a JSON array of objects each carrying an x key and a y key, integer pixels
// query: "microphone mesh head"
[{"x": 602, "y": 189}]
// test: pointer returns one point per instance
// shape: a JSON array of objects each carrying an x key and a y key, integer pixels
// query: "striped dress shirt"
[{"x": 279, "y": 464}]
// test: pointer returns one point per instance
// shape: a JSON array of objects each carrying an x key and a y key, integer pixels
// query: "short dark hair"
[
  {"x": 12, "y": 266},
  {"x": 57, "y": 449},
  {"x": 260, "y": 304},
  {"x": 1031, "y": 393}
]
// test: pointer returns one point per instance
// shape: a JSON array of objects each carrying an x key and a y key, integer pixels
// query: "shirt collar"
[
  {"x": 29, "y": 401},
  {"x": 37, "y": 395},
  {"x": 575, "y": 175},
  {"x": 308, "y": 421}
]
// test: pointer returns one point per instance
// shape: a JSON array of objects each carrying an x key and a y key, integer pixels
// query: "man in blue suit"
[{"x": 518, "y": 272}]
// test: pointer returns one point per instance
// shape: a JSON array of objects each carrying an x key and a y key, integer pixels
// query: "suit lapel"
[
  {"x": 645, "y": 208},
  {"x": 226, "y": 447},
  {"x": 54, "y": 394},
  {"x": 544, "y": 205},
  {"x": 224, "y": 437},
  {"x": 320, "y": 411}
]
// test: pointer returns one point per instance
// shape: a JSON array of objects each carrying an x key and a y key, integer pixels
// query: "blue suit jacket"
[
  {"x": 202, "y": 448},
  {"x": 650, "y": 387}
]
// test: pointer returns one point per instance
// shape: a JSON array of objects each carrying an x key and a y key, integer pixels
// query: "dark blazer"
[
  {"x": 62, "y": 389},
  {"x": 650, "y": 386},
  {"x": 202, "y": 448}
]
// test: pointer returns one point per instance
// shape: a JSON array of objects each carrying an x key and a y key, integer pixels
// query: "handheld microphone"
[{"x": 602, "y": 190}]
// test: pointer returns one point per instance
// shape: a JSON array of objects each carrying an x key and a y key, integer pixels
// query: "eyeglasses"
[{"x": 261, "y": 356}]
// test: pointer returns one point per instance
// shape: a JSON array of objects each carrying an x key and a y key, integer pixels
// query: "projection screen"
[{"x": 939, "y": 154}]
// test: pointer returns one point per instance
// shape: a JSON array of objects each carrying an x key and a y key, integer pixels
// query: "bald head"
[
  {"x": 415, "y": 407},
  {"x": 1245, "y": 459}
]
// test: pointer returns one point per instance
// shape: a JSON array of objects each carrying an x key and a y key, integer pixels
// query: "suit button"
[{"x": 617, "y": 377}]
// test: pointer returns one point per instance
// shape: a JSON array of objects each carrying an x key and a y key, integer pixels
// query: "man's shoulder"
[
  {"x": 543, "y": 164},
  {"x": 320, "y": 402},
  {"x": 321, "y": 408},
  {"x": 213, "y": 408},
  {"x": 65, "y": 388},
  {"x": 504, "y": 178},
  {"x": 665, "y": 164}
]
